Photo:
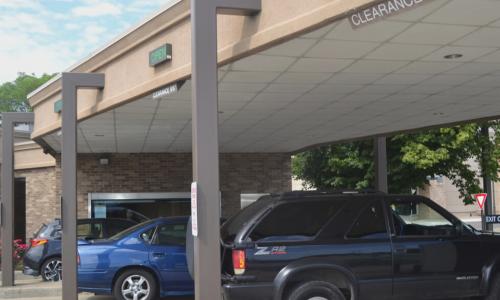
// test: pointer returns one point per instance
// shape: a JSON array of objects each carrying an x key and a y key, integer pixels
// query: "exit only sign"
[{"x": 160, "y": 55}]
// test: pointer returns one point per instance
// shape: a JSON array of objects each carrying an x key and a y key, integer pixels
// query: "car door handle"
[{"x": 157, "y": 255}]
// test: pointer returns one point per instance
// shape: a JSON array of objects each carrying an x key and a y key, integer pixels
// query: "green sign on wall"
[
  {"x": 160, "y": 55},
  {"x": 58, "y": 106}
]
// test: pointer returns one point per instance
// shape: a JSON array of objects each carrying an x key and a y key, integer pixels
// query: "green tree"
[
  {"x": 13, "y": 95},
  {"x": 412, "y": 160}
]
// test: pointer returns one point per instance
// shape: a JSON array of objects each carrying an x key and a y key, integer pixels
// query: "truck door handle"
[
  {"x": 407, "y": 250},
  {"x": 157, "y": 255}
]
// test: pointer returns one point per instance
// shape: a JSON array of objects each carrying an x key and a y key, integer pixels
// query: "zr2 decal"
[{"x": 281, "y": 250}]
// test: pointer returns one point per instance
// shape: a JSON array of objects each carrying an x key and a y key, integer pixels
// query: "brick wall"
[
  {"x": 172, "y": 172},
  {"x": 42, "y": 204},
  {"x": 134, "y": 173}
]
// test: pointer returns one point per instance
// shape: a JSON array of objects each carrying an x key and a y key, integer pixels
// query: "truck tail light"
[
  {"x": 78, "y": 259},
  {"x": 38, "y": 242},
  {"x": 239, "y": 262}
]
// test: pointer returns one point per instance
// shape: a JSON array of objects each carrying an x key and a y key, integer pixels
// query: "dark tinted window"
[
  {"x": 171, "y": 235},
  {"x": 116, "y": 226},
  {"x": 370, "y": 224},
  {"x": 231, "y": 228},
  {"x": 295, "y": 221},
  {"x": 128, "y": 231}
]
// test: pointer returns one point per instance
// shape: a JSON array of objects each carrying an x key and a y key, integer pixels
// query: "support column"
[
  {"x": 488, "y": 184},
  {"x": 206, "y": 149},
  {"x": 380, "y": 155},
  {"x": 205, "y": 115},
  {"x": 9, "y": 120},
  {"x": 70, "y": 84}
]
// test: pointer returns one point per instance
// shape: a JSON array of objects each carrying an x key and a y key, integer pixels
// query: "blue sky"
[{"x": 48, "y": 36}]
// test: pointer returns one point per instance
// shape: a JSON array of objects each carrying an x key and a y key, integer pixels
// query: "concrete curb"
[
  {"x": 30, "y": 287},
  {"x": 31, "y": 290}
]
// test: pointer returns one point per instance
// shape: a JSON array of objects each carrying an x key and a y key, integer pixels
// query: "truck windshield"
[{"x": 232, "y": 226}]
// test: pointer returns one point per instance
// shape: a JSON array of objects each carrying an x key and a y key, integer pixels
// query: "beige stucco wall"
[
  {"x": 125, "y": 63},
  {"x": 29, "y": 155}
]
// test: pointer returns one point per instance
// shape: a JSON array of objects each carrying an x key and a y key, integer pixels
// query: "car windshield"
[
  {"x": 128, "y": 231},
  {"x": 231, "y": 228}
]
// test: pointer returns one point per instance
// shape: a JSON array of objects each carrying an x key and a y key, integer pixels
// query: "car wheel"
[
  {"x": 52, "y": 269},
  {"x": 494, "y": 293},
  {"x": 135, "y": 285},
  {"x": 316, "y": 290}
]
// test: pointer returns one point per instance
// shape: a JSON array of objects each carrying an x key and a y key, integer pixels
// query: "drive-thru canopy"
[{"x": 435, "y": 64}]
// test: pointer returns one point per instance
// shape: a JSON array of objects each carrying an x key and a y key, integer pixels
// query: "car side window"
[
  {"x": 416, "y": 218},
  {"x": 115, "y": 227},
  {"x": 83, "y": 229},
  {"x": 171, "y": 235},
  {"x": 370, "y": 224},
  {"x": 295, "y": 221},
  {"x": 90, "y": 230}
]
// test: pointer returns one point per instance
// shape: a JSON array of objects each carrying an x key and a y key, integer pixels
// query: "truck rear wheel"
[
  {"x": 494, "y": 293},
  {"x": 316, "y": 290}
]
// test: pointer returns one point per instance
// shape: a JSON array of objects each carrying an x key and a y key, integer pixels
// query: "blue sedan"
[{"x": 141, "y": 263}]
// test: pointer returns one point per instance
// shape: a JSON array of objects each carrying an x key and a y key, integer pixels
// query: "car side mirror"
[
  {"x": 459, "y": 229},
  {"x": 145, "y": 237}
]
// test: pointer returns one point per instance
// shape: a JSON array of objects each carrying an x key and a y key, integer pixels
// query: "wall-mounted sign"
[
  {"x": 194, "y": 208},
  {"x": 160, "y": 55},
  {"x": 168, "y": 90},
  {"x": 381, "y": 10},
  {"x": 58, "y": 106},
  {"x": 492, "y": 219}
]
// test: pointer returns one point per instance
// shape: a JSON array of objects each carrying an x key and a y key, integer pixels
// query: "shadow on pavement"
[{"x": 90, "y": 297}]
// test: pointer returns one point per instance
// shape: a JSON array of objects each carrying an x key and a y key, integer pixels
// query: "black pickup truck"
[{"x": 337, "y": 245}]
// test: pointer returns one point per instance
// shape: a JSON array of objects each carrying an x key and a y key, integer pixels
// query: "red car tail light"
[
  {"x": 239, "y": 262},
  {"x": 38, "y": 242}
]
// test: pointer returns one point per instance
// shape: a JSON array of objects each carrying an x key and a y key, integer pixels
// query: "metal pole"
[
  {"x": 206, "y": 149},
  {"x": 205, "y": 115},
  {"x": 489, "y": 188},
  {"x": 7, "y": 204},
  {"x": 380, "y": 155},
  {"x": 70, "y": 83},
  {"x": 488, "y": 185}
]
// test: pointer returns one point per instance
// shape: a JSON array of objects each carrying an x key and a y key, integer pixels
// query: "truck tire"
[
  {"x": 318, "y": 290},
  {"x": 494, "y": 292}
]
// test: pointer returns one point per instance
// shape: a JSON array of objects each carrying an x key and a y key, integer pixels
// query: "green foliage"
[
  {"x": 13, "y": 95},
  {"x": 412, "y": 160}
]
